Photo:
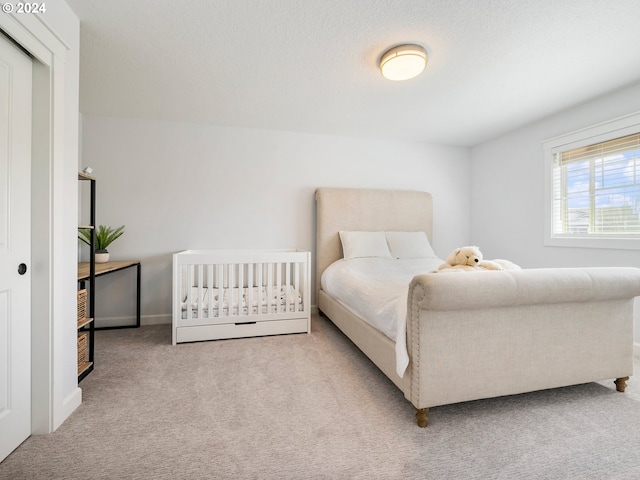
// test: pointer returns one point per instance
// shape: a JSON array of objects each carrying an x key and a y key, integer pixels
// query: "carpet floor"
[{"x": 313, "y": 406}]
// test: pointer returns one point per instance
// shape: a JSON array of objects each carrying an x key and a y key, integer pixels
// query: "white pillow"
[
  {"x": 364, "y": 244},
  {"x": 409, "y": 245}
]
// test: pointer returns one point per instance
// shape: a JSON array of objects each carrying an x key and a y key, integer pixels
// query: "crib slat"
[
  {"x": 296, "y": 285},
  {"x": 269, "y": 287},
  {"x": 200, "y": 290},
  {"x": 260, "y": 287},
  {"x": 232, "y": 284},
  {"x": 209, "y": 271},
  {"x": 220, "y": 287},
  {"x": 240, "y": 289},
  {"x": 287, "y": 284},
  {"x": 278, "y": 286},
  {"x": 250, "y": 289}
]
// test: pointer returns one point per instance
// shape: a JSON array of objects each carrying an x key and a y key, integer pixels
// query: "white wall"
[
  {"x": 178, "y": 186},
  {"x": 507, "y": 190}
]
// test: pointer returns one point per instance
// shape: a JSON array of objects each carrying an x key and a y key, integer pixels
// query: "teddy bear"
[{"x": 470, "y": 258}]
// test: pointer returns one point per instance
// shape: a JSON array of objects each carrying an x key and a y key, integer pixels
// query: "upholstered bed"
[{"x": 478, "y": 335}]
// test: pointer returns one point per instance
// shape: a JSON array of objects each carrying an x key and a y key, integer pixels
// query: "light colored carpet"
[{"x": 312, "y": 406}]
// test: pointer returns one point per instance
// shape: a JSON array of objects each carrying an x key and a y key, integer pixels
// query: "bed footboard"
[
  {"x": 488, "y": 334},
  {"x": 236, "y": 293}
]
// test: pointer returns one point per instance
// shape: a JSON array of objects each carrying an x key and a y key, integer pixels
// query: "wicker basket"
[
  {"x": 82, "y": 304},
  {"x": 82, "y": 348}
]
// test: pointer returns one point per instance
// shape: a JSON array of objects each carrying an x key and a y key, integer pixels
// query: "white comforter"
[{"x": 376, "y": 290}]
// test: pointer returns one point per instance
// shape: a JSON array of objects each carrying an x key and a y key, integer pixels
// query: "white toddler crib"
[{"x": 240, "y": 293}]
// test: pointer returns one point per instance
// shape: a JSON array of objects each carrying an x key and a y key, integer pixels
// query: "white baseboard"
[
  {"x": 130, "y": 320},
  {"x": 69, "y": 404},
  {"x": 156, "y": 319}
]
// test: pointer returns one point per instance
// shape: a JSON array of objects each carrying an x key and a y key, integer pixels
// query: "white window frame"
[{"x": 602, "y": 132}]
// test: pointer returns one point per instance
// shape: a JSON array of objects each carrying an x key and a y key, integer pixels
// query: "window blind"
[{"x": 596, "y": 189}]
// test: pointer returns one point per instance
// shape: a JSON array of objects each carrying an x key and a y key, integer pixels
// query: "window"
[{"x": 593, "y": 186}]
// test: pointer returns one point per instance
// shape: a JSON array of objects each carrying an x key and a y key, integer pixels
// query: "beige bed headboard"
[{"x": 366, "y": 210}]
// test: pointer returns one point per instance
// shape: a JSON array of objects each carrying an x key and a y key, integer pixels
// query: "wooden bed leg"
[
  {"x": 421, "y": 415},
  {"x": 621, "y": 383}
]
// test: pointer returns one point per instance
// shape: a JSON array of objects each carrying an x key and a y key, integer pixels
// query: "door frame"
[{"x": 52, "y": 272}]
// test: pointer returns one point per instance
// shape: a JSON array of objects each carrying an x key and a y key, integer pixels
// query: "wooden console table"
[{"x": 109, "y": 267}]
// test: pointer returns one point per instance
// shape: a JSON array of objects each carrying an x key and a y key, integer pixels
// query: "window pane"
[
  {"x": 577, "y": 221},
  {"x": 612, "y": 172},
  {"x": 577, "y": 175},
  {"x": 616, "y": 219}
]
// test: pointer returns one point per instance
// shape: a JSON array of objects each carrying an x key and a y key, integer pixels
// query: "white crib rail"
[{"x": 215, "y": 287}]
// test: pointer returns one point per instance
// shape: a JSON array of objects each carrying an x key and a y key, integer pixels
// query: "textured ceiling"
[{"x": 311, "y": 65}]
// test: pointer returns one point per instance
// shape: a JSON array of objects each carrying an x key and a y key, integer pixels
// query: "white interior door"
[{"x": 15, "y": 246}]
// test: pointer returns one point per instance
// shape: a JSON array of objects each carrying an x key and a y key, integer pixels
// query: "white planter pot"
[{"x": 102, "y": 257}]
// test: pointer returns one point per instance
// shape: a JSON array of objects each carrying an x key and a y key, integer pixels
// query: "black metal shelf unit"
[{"x": 87, "y": 325}]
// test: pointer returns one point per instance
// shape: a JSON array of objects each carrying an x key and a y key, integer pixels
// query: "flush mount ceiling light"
[{"x": 403, "y": 62}]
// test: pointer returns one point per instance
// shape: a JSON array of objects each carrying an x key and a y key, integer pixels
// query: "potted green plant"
[{"x": 105, "y": 236}]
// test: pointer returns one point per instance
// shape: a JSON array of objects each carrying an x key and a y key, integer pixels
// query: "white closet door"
[{"x": 15, "y": 246}]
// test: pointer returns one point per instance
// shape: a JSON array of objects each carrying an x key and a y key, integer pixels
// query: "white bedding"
[{"x": 376, "y": 290}]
